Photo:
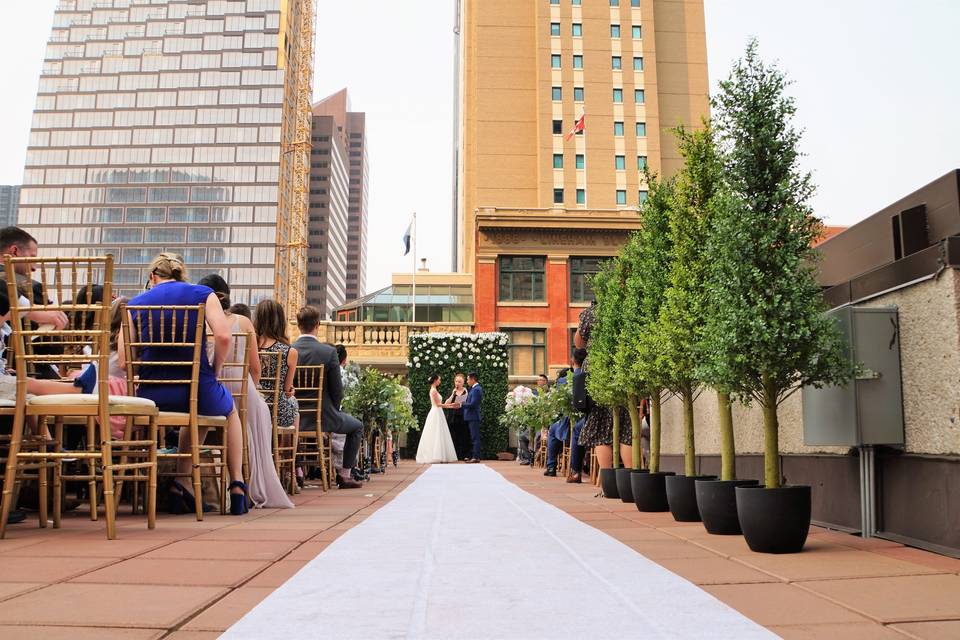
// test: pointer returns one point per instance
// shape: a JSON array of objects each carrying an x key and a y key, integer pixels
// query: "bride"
[{"x": 436, "y": 445}]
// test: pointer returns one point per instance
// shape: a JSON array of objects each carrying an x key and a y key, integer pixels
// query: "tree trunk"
[
  {"x": 655, "y": 431},
  {"x": 616, "y": 437},
  {"x": 634, "y": 411},
  {"x": 728, "y": 452},
  {"x": 771, "y": 434},
  {"x": 689, "y": 446}
]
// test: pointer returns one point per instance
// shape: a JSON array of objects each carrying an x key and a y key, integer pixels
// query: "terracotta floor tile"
[
  {"x": 108, "y": 605},
  {"x": 900, "y": 599},
  {"x": 847, "y": 631},
  {"x": 625, "y": 534},
  {"x": 658, "y": 550},
  {"x": 820, "y": 565},
  {"x": 89, "y": 547},
  {"x": 243, "y": 533},
  {"x": 277, "y": 573},
  {"x": 35, "y": 569},
  {"x": 224, "y": 550},
  {"x": 714, "y": 571},
  {"x": 930, "y": 630},
  {"x": 10, "y": 589},
  {"x": 32, "y": 632},
  {"x": 8, "y": 545},
  {"x": 854, "y": 541},
  {"x": 781, "y": 604},
  {"x": 307, "y": 551},
  {"x": 225, "y": 612},
  {"x": 327, "y": 536},
  {"x": 169, "y": 571},
  {"x": 690, "y": 533},
  {"x": 193, "y": 635},
  {"x": 919, "y": 556}
]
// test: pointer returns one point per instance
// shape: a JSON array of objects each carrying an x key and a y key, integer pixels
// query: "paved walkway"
[{"x": 189, "y": 580}]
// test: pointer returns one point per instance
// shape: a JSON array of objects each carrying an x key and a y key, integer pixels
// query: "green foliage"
[
  {"x": 767, "y": 328},
  {"x": 377, "y": 400},
  {"x": 449, "y": 354},
  {"x": 602, "y": 383}
]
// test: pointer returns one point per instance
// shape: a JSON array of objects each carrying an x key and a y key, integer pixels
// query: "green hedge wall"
[{"x": 448, "y": 354}]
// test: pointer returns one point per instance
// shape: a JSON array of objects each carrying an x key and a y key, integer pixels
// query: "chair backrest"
[
  {"x": 308, "y": 388},
  {"x": 65, "y": 285},
  {"x": 270, "y": 382},
  {"x": 233, "y": 375},
  {"x": 163, "y": 346}
]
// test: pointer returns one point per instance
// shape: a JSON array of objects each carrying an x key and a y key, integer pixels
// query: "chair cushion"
[
  {"x": 177, "y": 414},
  {"x": 87, "y": 399},
  {"x": 8, "y": 403}
]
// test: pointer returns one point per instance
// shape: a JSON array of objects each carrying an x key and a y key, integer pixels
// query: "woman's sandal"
[
  {"x": 182, "y": 501},
  {"x": 238, "y": 501}
]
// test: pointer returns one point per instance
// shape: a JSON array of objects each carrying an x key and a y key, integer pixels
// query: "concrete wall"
[{"x": 930, "y": 365}]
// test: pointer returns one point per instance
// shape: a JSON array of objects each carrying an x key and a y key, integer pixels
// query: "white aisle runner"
[{"x": 463, "y": 553}]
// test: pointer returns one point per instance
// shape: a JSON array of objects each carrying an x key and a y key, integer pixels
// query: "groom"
[{"x": 471, "y": 413}]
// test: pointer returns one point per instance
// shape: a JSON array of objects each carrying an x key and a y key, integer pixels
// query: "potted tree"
[
  {"x": 768, "y": 320},
  {"x": 645, "y": 288}
]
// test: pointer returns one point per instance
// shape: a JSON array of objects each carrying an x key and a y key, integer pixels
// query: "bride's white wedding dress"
[{"x": 436, "y": 445}]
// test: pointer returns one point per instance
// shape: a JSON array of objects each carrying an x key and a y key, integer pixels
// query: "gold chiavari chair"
[
  {"x": 540, "y": 456},
  {"x": 284, "y": 438},
  {"x": 594, "y": 468},
  {"x": 234, "y": 375},
  {"x": 61, "y": 283},
  {"x": 312, "y": 448},
  {"x": 163, "y": 346}
]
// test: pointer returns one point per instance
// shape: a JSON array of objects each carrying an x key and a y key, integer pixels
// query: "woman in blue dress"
[{"x": 168, "y": 286}]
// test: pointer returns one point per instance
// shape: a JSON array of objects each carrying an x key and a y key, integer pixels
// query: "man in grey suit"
[{"x": 313, "y": 352}]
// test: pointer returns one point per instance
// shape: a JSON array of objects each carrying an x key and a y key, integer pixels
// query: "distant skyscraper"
[
  {"x": 327, "y": 224},
  {"x": 172, "y": 125},
  {"x": 354, "y": 126},
  {"x": 9, "y": 201}
]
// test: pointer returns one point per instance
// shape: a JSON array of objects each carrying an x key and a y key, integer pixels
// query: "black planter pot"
[
  {"x": 682, "y": 497},
  {"x": 649, "y": 490},
  {"x": 774, "y": 520},
  {"x": 717, "y": 502},
  {"x": 608, "y": 483},
  {"x": 623, "y": 484}
]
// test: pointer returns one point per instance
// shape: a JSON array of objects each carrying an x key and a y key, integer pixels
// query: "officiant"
[{"x": 458, "y": 426}]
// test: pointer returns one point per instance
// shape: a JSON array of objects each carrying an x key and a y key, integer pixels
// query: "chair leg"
[
  {"x": 195, "y": 469},
  {"x": 42, "y": 488},
  {"x": 109, "y": 505},
  {"x": 58, "y": 487},
  {"x": 92, "y": 467},
  {"x": 10, "y": 473},
  {"x": 323, "y": 462},
  {"x": 152, "y": 475}
]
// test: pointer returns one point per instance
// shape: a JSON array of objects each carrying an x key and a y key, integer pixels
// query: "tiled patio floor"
[{"x": 190, "y": 580}]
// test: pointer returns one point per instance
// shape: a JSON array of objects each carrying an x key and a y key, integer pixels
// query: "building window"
[
  {"x": 635, "y": 4},
  {"x": 638, "y": 64},
  {"x": 522, "y": 278},
  {"x": 576, "y": 3},
  {"x": 621, "y": 196},
  {"x": 617, "y": 96},
  {"x": 558, "y": 127},
  {"x": 618, "y": 128},
  {"x": 616, "y": 62},
  {"x": 638, "y": 96},
  {"x": 558, "y": 161},
  {"x": 642, "y": 196},
  {"x": 558, "y": 196},
  {"x": 555, "y": 61},
  {"x": 581, "y": 270},
  {"x": 577, "y": 30},
  {"x": 527, "y": 349},
  {"x": 557, "y": 94},
  {"x": 641, "y": 163},
  {"x": 636, "y": 32},
  {"x": 579, "y": 161},
  {"x": 614, "y": 3},
  {"x": 578, "y": 94},
  {"x": 641, "y": 129},
  {"x": 581, "y": 196},
  {"x": 554, "y": 28},
  {"x": 554, "y": 1},
  {"x": 620, "y": 163},
  {"x": 614, "y": 31},
  {"x": 578, "y": 62}
]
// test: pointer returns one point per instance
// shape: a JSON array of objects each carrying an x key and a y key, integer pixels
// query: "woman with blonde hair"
[{"x": 168, "y": 286}]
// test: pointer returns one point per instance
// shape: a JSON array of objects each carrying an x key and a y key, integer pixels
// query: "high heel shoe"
[
  {"x": 187, "y": 502},
  {"x": 238, "y": 501}
]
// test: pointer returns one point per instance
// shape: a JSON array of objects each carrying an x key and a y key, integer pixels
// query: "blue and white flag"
[{"x": 406, "y": 238}]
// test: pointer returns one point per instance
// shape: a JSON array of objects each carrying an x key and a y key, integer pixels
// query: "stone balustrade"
[{"x": 382, "y": 344}]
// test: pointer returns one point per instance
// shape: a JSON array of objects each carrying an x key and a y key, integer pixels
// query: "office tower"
[
  {"x": 542, "y": 200},
  {"x": 9, "y": 202},
  {"x": 176, "y": 126},
  {"x": 327, "y": 224},
  {"x": 354, "y": 127}
]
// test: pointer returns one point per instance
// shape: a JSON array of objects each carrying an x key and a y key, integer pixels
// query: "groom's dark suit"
[{"x": 471, "y": 415}]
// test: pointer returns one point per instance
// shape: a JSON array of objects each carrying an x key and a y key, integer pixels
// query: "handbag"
[{"x": 582, "y": 401}]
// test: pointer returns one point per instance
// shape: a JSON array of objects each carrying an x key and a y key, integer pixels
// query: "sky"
[{"x": 874, "y": 80}]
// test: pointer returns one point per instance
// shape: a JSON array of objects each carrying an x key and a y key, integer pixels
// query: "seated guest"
[
  {"x": 241, "y": 309},
  {"x": 271, "y": 328},
  {"x": 560, "y": 430},
  {"x": 333, "y": 420},
  {"x": 168, "y": 286}
]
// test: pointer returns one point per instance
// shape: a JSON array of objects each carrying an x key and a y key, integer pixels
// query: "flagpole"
[{"x": 413, "y": 241}]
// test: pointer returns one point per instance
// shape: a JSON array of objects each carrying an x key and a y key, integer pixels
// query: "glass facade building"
[
  {"x": 9, "y": 202},
  {"x": 162, "y": 126}
]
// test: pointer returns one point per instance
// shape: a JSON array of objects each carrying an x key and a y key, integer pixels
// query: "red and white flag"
[{"x": 577, "y": 127}]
